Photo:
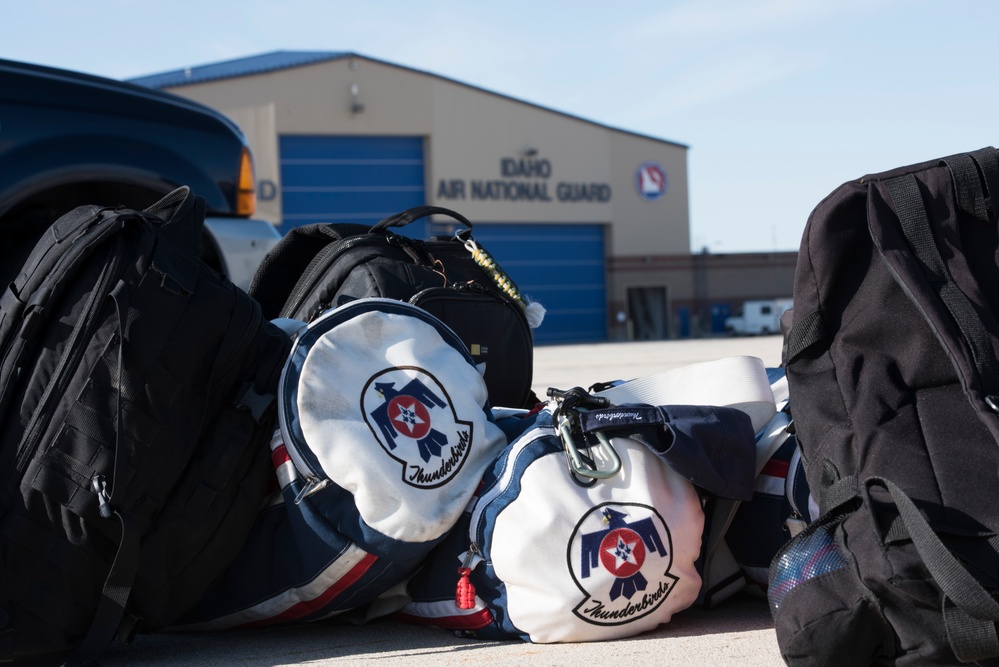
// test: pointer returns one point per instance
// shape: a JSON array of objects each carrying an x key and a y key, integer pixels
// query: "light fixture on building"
[{"x": 355, "y": 103}]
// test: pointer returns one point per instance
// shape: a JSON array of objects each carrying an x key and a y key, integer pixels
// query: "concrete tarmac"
[{"x": 738, "y": 632}]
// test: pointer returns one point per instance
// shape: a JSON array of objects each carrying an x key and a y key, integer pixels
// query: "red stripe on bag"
[
  {"x": 307, "y": 607},
  {"x": 476, "y": 621},
  {"x": 279, "y": 456},
  {"x": 775, "y": 468}
]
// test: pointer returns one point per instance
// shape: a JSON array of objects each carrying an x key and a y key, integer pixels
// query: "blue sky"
[{"x": 780, "y": 101}]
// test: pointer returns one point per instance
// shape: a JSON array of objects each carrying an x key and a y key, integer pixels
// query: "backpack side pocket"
[{"x": 823, "y": 613}]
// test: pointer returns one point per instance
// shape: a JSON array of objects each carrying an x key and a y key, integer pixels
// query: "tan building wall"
[
  {"x": 649, "y": 225},
  {"x": 581, "y": 172}
]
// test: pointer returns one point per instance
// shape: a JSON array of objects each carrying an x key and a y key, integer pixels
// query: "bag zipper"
[
  {"x": 476, "y": 525},
  {"x": 471, "y": 288},
  {"x": 311, "y": 480},
  {"x": 464, "y": 594},
  {"x": 475, "y": 556},
  {"x": 796, "y": 522},
  {"x": 312, "y": 485},
  {"x": 314, "y": 481},
  {"x": 299, "y": 295}
]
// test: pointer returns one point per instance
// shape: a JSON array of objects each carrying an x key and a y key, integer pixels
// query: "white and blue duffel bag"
[
  {"x": 385, "y": 433},
  {"x": 589, "y": 524}
]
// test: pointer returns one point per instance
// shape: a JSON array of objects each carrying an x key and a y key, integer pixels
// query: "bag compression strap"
[
  {"x": 971, "y": 619},
  {"x": 118, "y": 585},
  {"x": 970, "y": 613},
  {"x": 117, "y": 588}
]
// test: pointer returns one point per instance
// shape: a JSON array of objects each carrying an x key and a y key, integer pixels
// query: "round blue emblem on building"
[{"x": 650, "y": 180}]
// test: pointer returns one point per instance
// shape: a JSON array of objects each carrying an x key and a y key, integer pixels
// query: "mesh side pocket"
[
  {"x": 813, "y": 556},
  {"x": 822, "y": 612}
]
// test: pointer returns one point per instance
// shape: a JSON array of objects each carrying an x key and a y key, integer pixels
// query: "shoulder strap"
[
  {"x": 45, "y": 275},
  {"x": 972, "y": 614},
  {"x": 911, "y": 210}
]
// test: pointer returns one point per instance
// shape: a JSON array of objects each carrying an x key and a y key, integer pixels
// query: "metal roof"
[
  {"x": 278, "y": 60},
  {"x": 265, "y": 62}
]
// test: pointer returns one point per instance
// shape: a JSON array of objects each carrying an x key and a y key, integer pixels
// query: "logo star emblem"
[
  {"x": 623, "y": 552},
  {"x": 407, "y": 420}
]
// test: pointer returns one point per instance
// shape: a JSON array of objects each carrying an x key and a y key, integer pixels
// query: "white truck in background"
[{"x": 758, "y": 318}]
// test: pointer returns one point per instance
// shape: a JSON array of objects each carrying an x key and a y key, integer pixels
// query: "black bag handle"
[
  {"x": 178, "y": 257},
  {"x": 410, "y": 215}
]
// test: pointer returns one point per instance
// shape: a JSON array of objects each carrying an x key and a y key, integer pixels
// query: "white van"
[{"x": 758, "y": 318}]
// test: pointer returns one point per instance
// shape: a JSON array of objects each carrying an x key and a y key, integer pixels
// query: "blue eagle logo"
[
  {"x": 405, "y": 412},
  {"x": 621, "y": 549}
]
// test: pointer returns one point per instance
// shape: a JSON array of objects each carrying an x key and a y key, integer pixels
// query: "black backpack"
[
  {"x": 135, "y": 413},
  {"x": 892, "y": 368},
  {"x": 319, "y": 266}
]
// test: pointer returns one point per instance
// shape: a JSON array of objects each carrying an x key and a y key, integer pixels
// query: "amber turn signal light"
[{"x": 246, "y": 195}]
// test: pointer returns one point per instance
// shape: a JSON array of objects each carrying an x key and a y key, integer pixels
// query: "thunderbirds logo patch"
[
  {"x": 410, "y": 415},
  {"x": 620, "y": 555}
]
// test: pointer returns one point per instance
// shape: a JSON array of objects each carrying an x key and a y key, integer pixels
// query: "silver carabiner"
[{"x": 576, "y": 461}]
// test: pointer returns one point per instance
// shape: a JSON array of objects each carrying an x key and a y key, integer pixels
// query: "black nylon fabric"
[
  {"x": 900, "y": 270},
  {"x": 124, "y": 357}
]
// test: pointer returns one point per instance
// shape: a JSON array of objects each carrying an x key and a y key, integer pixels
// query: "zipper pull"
[
  {"x": 312, "y": 484},
  {"x": 408, "y": 246},
  {"x": 100, "y": 486},
  {"x": 795, "y": 524},
  {"x": 464, "y": 597}
]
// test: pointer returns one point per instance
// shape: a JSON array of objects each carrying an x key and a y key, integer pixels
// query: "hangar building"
[{"x": 590, "y": 220}]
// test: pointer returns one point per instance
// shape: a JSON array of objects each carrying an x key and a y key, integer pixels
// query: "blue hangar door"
[
  {"x": 560, "y": 266},
  {"x": 350, "y": 179},
  {"x": 364, "y": 179}
]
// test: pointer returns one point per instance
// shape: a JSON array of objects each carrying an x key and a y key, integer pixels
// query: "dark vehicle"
[{"x": 69, "y": 139}]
